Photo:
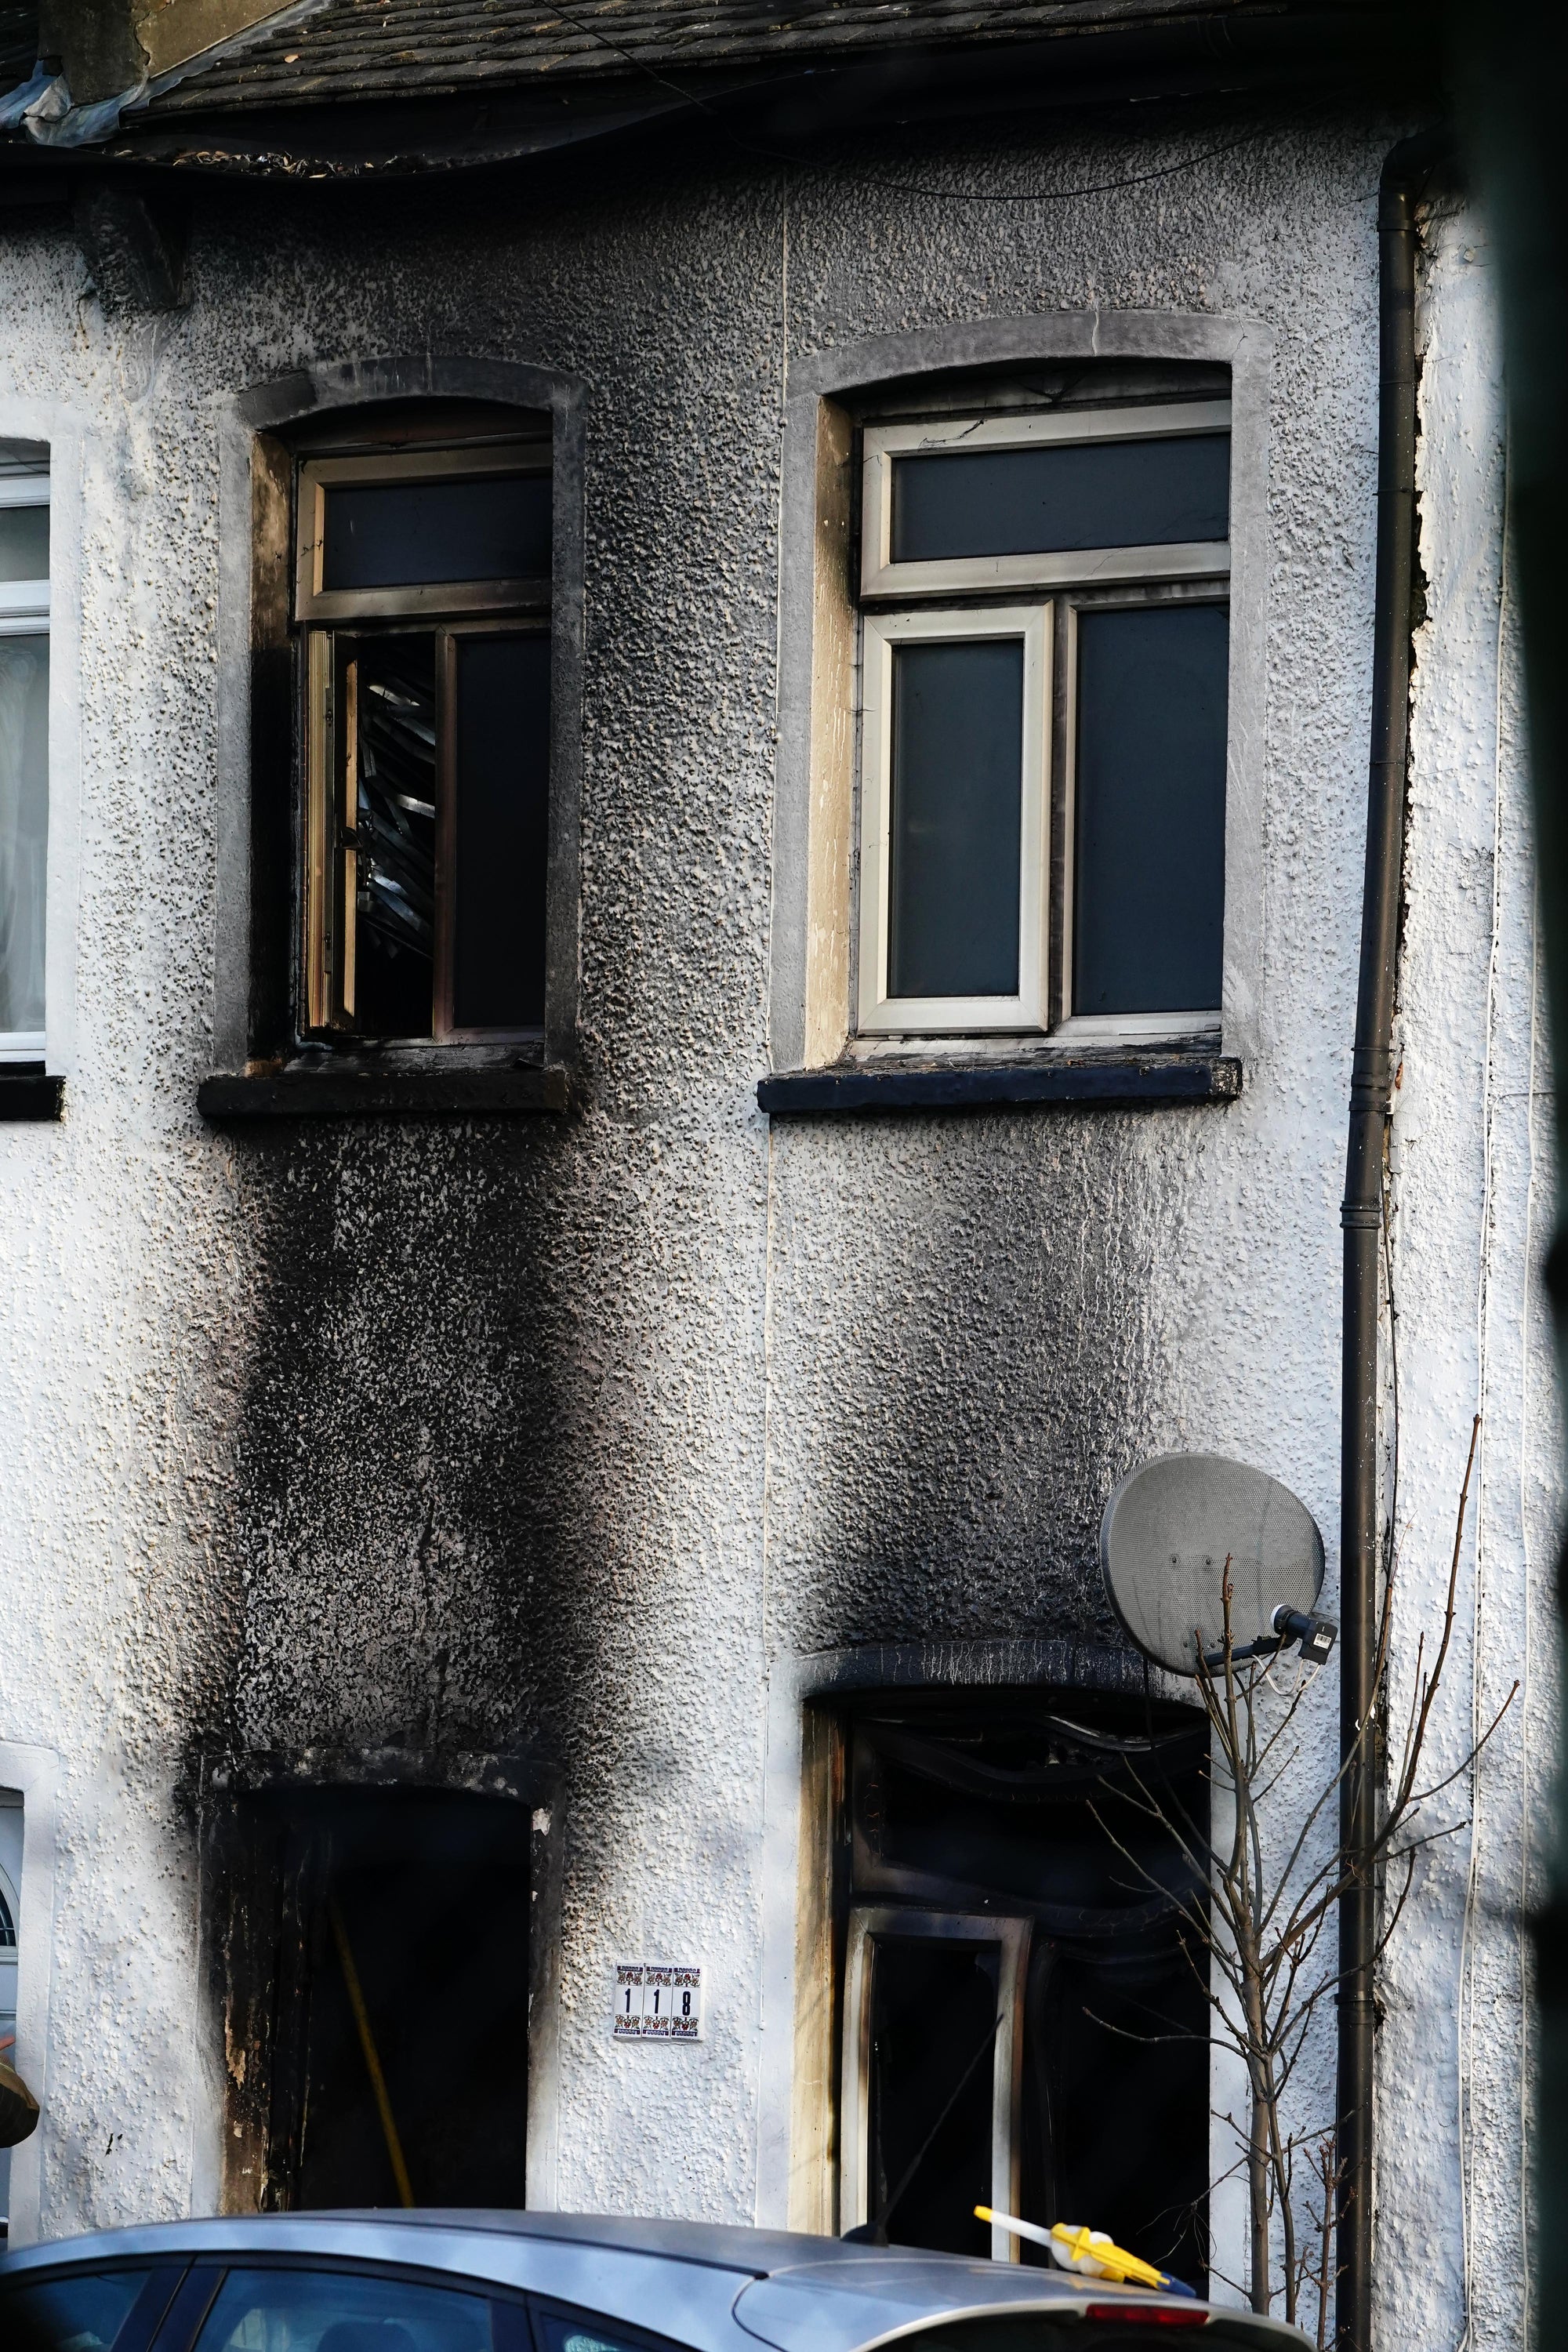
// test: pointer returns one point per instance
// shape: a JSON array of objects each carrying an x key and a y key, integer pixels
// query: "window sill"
[
  {"x": 328, "y": 1093},
  {"x": 1113, "y": 1081},
  {"x": 28, "y": 1094}
]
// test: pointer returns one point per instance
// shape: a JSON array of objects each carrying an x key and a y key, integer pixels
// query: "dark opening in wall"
[
  {"x": 377, "y": 1949},
  {"x": 1025, "y": 2022}
]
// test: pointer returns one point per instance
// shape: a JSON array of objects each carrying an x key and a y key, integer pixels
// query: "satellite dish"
[{"x": 1167, "y": 1532}]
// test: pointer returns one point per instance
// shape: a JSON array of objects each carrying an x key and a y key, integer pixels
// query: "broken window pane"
[
  {"x": 24, "y": 828},
  {"x": 1148, "y": 896},
  {"x": 391, "y": 724},
  {"x": 956, "y": 818},
  {"x": 502, "y": 810},
  {"x": 407, "y": 534},
  {"x": 24, "y": 542},
  {"x": 1061, "y": 496}
]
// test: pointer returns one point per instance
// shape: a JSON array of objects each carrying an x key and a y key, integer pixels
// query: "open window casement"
[
  {"x": 423, "y": 585},
  {"x": 1042, "y": 779}
]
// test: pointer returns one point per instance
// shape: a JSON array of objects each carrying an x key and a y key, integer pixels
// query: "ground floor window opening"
[
  {"x": 378, "y": 1955},
  {"x": 1024, "y": 2020}
]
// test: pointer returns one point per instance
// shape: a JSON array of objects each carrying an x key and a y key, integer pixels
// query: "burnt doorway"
[
  {"x": 379, "y": 1973},
  {"x": 1025, "y": 2007}
]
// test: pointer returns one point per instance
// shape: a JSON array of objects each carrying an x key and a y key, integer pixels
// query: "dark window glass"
[
  {"x": 956, "y": 818},
  {"x": 86, "y": 2313},
  {"x": 24, "y": 542},
  {"x": 502, "y": 785},
  {"x": 393, "y": 697},
  {"x": 562, "y": 2331},
  {"x": 1037, "y": 1808},
  {"x": 933, "y": 2014},
  {"x": 1058, "y": 497},
  {"x": 341, "y": 2310},
  {"x": 415, "y": 534},
  {"x": 23, "y": 827},
  {"x": 1148, "y": 896}
]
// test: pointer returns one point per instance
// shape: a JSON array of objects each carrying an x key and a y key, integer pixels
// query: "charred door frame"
[
  {"x": 242, "y": 1954},
  {"x": 798, "y": 2156}
]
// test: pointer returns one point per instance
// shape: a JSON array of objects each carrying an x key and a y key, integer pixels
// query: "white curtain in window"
[{"x": 24, "y": 828}]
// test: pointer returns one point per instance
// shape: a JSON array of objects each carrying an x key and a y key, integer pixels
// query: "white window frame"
[
  {"x": 1204, "y": 565},
  {"x": 25, "y": 612},
  {"x": 880, "y": 1012},
  {"x": 868, "y": 1923},
  {"x": 880, "y": 576}
]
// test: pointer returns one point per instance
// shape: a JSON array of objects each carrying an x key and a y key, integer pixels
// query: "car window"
[
  {"x": 86, "y": 2312},
  {"x": 571, "y": 2331},
  {"x": 341, "y": 2310}
]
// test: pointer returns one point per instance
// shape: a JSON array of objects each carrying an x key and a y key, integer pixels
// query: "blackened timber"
[{"x": 328, "y": 1093}]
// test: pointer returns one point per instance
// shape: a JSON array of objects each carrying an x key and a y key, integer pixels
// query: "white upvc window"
[
  {"x": 1042, "y": 779},
  {"x": 953, "y": 913},
  {"x": 24, "y": 759}
]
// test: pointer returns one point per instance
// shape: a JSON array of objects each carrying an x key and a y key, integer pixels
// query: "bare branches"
[{"x": 1258, "y": 1921}]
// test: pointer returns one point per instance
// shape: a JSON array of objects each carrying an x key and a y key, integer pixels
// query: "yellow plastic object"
[{"x": 1088, "y": 2250}]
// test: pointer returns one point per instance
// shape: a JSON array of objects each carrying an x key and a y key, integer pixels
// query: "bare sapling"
[{"x": 1265, "y": 1878}]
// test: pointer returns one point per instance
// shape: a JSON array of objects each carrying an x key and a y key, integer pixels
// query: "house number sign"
[{"x": 654, "y": 2003}]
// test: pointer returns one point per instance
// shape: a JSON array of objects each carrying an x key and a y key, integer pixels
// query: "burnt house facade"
[{"x": 681, "y": 805}]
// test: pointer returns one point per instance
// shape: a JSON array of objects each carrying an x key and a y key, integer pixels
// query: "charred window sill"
[
  {"x": 332, "y": 1091},
  {"x": 27, "y": 1093},
  {"x": 1111, "y": 1081}
]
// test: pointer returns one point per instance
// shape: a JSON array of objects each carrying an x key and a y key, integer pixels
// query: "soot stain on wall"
[
  {"x": 409, "y": 1512},
  {"x": 970, "y": 1366}
]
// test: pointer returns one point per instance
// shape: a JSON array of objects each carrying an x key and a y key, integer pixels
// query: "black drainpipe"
[{"x": 1371, "y": 1096}]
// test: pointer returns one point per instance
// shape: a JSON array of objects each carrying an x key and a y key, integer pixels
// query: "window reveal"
[
  {"x": 966, "y": 749},
  {"x": 427, "y": 744},
  {"x": 1023, "y": 2026}
]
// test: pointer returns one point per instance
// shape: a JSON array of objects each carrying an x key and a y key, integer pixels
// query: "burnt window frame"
[
  {"x": 327, "y": 622},
  {"x": 840, "y": 1879},
  {"x": 265, "y": 1063}
]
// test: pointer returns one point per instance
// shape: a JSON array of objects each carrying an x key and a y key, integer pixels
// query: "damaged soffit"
[{"x": 339, "y": 88}]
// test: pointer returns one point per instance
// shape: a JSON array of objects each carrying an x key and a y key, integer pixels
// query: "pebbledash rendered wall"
[{"x": 589, "y": 1436}]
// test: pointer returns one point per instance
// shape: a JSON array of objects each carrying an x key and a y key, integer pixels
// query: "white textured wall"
[
  {"x": 1473, "y": 1194},
  {"x": 386, "y": 1435}
]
